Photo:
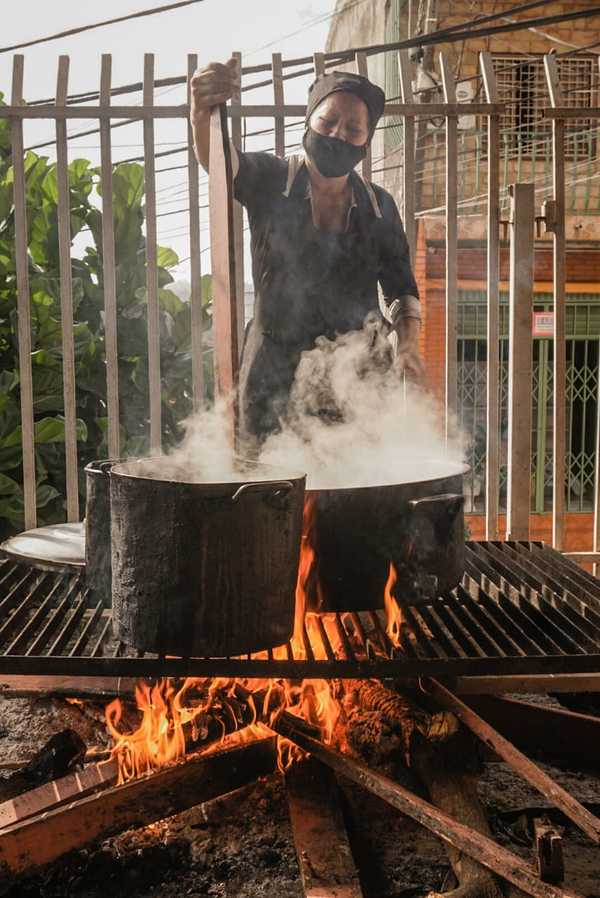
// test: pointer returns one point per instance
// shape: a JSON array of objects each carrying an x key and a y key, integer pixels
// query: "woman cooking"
[{"x": 322, "y": 239}]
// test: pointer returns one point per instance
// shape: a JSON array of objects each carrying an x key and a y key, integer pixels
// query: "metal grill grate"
[{"x": 522, "y": 608}]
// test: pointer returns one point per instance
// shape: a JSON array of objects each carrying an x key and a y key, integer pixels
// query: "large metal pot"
[
  {"x": 97, "y": 527},
  {"x": 204, "y": 569},
  {"x": 417, "y": 525}
]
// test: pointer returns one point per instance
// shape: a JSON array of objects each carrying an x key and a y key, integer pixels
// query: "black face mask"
[{"x": 333, "y": 157}]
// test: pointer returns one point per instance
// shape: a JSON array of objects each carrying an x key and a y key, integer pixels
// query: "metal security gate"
[{"x": 582, "y": 346}]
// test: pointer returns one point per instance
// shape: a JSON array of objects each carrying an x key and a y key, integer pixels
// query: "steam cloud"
[{"x": 350, "y": 422}]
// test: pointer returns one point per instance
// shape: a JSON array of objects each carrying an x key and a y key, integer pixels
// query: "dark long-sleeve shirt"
[{"x": 310, "y": 283}]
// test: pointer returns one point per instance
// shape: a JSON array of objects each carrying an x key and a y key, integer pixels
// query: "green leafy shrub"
[{"x": 88, "y": 330}]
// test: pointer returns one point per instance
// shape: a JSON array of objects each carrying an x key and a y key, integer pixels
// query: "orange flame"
[
  {"x": 392, "y": 610},
  {"x": 306, "y": 572},
  {"x": 159, "y": 739}
]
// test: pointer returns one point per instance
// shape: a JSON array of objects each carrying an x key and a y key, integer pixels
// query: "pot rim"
[
  {"x": 275, "y": 474},
  {"x": 459, "y": 469}
]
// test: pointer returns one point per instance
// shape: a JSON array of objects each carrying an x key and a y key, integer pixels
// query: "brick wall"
[{"x": 583, "y": 264}]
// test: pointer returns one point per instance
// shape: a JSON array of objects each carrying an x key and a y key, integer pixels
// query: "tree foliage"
[{"x": 88, "y": 330}]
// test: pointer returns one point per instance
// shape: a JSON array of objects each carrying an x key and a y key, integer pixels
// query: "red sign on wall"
[{"x": 543, "y": 324}]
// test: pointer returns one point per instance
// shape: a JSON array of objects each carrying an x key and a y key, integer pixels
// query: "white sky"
[{"x": 212, "y": 29}]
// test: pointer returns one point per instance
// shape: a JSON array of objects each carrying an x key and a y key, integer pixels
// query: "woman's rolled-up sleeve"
[
  {"x": 258, "y": 175},
  {"x": 395, "y": 272}
]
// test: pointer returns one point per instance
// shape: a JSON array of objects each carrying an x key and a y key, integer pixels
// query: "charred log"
[{"x": 389, "y": 728}]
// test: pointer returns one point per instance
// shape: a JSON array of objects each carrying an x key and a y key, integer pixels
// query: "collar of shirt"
[
  {"x": 353, "y": 203},
  {"x": 297, "y": 167}
]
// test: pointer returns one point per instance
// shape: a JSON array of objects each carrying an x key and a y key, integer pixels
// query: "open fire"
[{"x": 177, "y": 719}]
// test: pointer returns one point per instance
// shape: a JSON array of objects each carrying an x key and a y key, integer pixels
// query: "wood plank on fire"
[
  {"x": 324, "y": 856},
  {"x": 28, "y": 686},
  {"x": 58, "y": 792},
  {"x": 472, "y": 843},
  {"x": 42, "y": 839}
]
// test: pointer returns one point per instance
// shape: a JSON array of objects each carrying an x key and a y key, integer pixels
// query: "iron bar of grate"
[
  {"x": 325, "y": 639},
  {"x": 471, "y": 623},
  {"x": 18, "y": 614},
  {"x": 8, "y": 571},
  {"x": 443, "y": 638},
  {"x": 103, "y": 637},
  {"x": 73, "y": 620},
  {"x": 379, "y": 623},
  {"x": 521, "y": 609},
  {"x": 86, "y": 633},
  {"x": 54, "y": 620},
  {"x": 553, "y": 634},
  {"x": 16, "y": 590},
  {"x": 468, "y": 646},
  {"x": 489, "y": 623},
  {"x": 30, "y": 628},
  {"x": 574, "y": 598},
  {"x": 502, "y": 610}
]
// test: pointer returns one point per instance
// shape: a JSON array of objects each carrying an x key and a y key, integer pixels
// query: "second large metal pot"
[
  {"x": 417, "y": 525},
  {"x": 203, "y": 569}
]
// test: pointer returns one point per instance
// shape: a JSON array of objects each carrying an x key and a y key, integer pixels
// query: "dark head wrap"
[{"x": 361, "y": 87}]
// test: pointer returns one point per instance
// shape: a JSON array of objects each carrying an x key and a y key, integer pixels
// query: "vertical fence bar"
[
  {"x": 492, "y": 454},
  {"x": 559, "y": 276},
  {"x": 23, "y": 310},
  {"x": 362, "y": 67},
  {"x": 277, "y": 70},
  {"x": 238, "y": 211},
  {"x": 408, "y": 155},
  {"x": 195, "y": 264},
  {"x": 66, "y": 294},
  {"x": 596, "y": 535},
  {"x": 319, "y": 64},
  {"x": 520, "y": 373},
  {"x": 449, "y": 88},
  {"x": 109, "y": 266},
  {"x": 151, "y": 261}
]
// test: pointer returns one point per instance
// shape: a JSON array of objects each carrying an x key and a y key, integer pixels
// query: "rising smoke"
[{"x": 351, "y": 421}]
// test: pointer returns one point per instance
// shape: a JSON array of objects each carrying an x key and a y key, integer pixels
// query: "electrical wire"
[
  {"x": 81, "y": 28},
  {"x": 336, "y": 57}
]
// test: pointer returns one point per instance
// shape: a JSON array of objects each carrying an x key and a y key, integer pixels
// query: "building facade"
[{"x": 525, "y": 156}]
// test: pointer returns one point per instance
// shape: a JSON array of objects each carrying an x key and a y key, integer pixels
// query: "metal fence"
[{"x": 516, "y": 446}]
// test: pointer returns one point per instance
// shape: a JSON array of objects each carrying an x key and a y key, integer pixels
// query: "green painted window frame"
[{"x": 583, "y": 354}]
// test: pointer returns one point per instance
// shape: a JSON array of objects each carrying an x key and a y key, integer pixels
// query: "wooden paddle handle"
[{"x": 222, "y": 253}]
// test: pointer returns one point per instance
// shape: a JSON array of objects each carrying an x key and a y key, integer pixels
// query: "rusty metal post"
[
  {"x": 449, "y": 88},
  {"x": 559, "y": 448},
  {"x": 520, "y": 373},
  {"x": 492, "y": 453}
]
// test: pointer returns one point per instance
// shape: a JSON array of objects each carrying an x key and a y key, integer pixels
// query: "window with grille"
[
  {"x": 522, "y": 86},
  {"x": 582, "y": 328}
]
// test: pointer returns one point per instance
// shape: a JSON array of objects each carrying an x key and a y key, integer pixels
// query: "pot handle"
[
  {"x": 280, "y": 487},
  {"x": 452, "y": 501}
]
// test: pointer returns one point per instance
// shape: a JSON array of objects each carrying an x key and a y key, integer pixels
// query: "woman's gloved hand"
[
  {"x": 407, "y": 353},
  {"x": 211, "y": 86}
]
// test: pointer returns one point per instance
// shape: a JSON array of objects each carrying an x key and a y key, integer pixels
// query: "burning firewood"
[
  {"x": 440, "y": 752},
  {"x": 62, "y": 753},
  {"x": 37, "y": 841},
  {"x": 464, "y": 838}
]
